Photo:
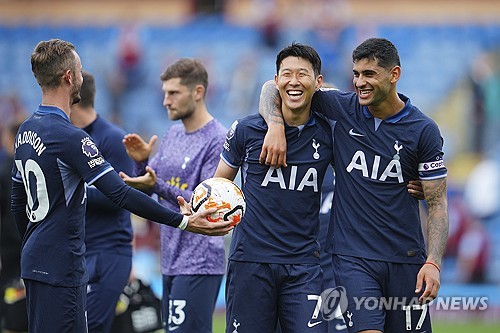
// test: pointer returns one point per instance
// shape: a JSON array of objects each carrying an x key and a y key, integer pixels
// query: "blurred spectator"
[
  {"x": 270, "y": 31},
  {"x": 329, "y": 23},
  {"x": 458, "y": 217},
  {"x": 128, "y": 72},
  {"x": 486, "y": 84},
  {"x": 468, "y": 243},
  {"x": 477, "y": 112},
  {"x": 207, "y": 6},
  {"x": 473, "y": 253},
  {"x": 270, "y": 23},
  {"x": 482, "y": 199},
  {"x": 482, "y": 189},
  {"x": 146, "y": 234},
  {"x": 11, "y": 109}
]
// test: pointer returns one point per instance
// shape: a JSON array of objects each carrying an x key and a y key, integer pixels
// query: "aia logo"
[{"x": 376, "y": 170}]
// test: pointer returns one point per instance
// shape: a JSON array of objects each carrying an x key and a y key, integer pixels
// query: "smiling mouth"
[
  {"x": 294, "y": 94},
  {"x": 364, "y": 93}
]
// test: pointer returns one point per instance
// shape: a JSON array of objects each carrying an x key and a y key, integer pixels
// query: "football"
[{"x": 220, "y": 193}]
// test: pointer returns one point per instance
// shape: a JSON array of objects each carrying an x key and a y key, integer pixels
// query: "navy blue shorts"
[
  {"x": 55, "y": 309},
  {"x": 108, "y": 275},
  {"x": 188, "y": 302},
  {"x": 334, "y": 325},
  {"x": 258, "y": 294},
  {"x": 381, "y": 295}
]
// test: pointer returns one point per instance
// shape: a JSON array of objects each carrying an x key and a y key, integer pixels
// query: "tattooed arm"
[
  {"x": 437, "y": 235},
  {"x": 274, "y": 147}
]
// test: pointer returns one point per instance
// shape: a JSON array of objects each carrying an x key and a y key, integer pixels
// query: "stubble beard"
[{"x": 76, "y": 99}]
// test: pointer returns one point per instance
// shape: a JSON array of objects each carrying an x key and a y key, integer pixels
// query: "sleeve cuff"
[{"x": 184, "y": 223}]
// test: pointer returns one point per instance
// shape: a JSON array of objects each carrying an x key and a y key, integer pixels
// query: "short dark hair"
[
  {"x": 50, "y": 59},
  {"x": 87, "y": 93},
  {"x": 379, "y": 49},
  {"x": 190, "y": 71},
  {"x": 300, "y": 51}
]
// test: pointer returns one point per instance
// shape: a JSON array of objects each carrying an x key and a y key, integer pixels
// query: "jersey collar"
[
  {"x": 44, "y": 110},
  {"x": 310, "y": 122},
  {"x": 398, "y": 116},
  {"x": 90, "y": 127}
]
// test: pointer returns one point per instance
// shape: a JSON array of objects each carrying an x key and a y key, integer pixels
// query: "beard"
[
  {"x": 76, "y": 99},
  {"x": 181, "y": 114},
  {"x": 75, "y": 93}
]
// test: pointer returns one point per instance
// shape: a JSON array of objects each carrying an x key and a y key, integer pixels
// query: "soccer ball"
[{"x": 220, "y": 193}]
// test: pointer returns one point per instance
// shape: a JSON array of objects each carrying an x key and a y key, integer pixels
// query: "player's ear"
[
  {"x": 319, "y": 82},
  {"x": 67, "y": 76},
  {"x": 199, "y": 92},
  {"x": 395, "y": 74}
]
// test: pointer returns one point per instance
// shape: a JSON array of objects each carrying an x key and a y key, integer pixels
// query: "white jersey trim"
[
  {"x": 100, "y": 175},
  {"x": 435, "y": 177},
  {"x": 229, "y": 164}
]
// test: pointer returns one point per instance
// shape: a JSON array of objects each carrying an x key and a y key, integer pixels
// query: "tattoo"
[
  {"x": 270, "y": 104},
  {"x": 437, "y": 222}
]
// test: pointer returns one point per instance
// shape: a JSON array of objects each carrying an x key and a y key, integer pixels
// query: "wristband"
[
  {"x": 433, "y": 264},
  {"x": 184, "y": 223}
]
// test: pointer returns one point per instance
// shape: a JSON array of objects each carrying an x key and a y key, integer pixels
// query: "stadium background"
[{"x": 450, "y": 52}]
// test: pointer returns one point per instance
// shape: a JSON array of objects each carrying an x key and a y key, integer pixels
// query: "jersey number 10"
[{"x": 42, "y": 196}]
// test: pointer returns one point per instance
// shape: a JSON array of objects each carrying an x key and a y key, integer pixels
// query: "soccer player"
[
  {"x": 52, "y": 161},
  {"x": 273, "y": 271},
  {"x": 108, "y": 230},
  {"x": 192, "y": 265},
  {"x": 381, "y": 141}
]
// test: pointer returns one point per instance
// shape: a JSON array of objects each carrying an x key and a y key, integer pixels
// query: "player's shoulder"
[
  {"x": 335, "y": 102},
  {"x": 173, "y": 131},
  {"x": 67, "y": 132},
  {"x": 214, "y": 130},
  {"x": 319, "y": 118},
  {"x": 416, "y": 115},
  {"x": 252, "y": 120},
  {"x": 247, "y": 127},
  {"x": 107, "y": 133},
  {"x": 337, "y": 94},
  {"x": 217, "y": 125},
  {"x": 111, "y": 127}
]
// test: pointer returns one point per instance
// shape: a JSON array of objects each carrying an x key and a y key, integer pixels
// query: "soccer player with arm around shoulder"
[
  {"x": 381, "y": 141},
  {"x": 53, "y": 162},
  {"x": 274, "y": 271}
]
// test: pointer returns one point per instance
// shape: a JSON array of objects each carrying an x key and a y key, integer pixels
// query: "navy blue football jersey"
[
  {"x": 54, "y": 159},
  {"x": 281, "y": 222},
  {"x": 374, "y": 216},
  {"x": 327, "y": 194},
  {"x": 108, "y": 226}
]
